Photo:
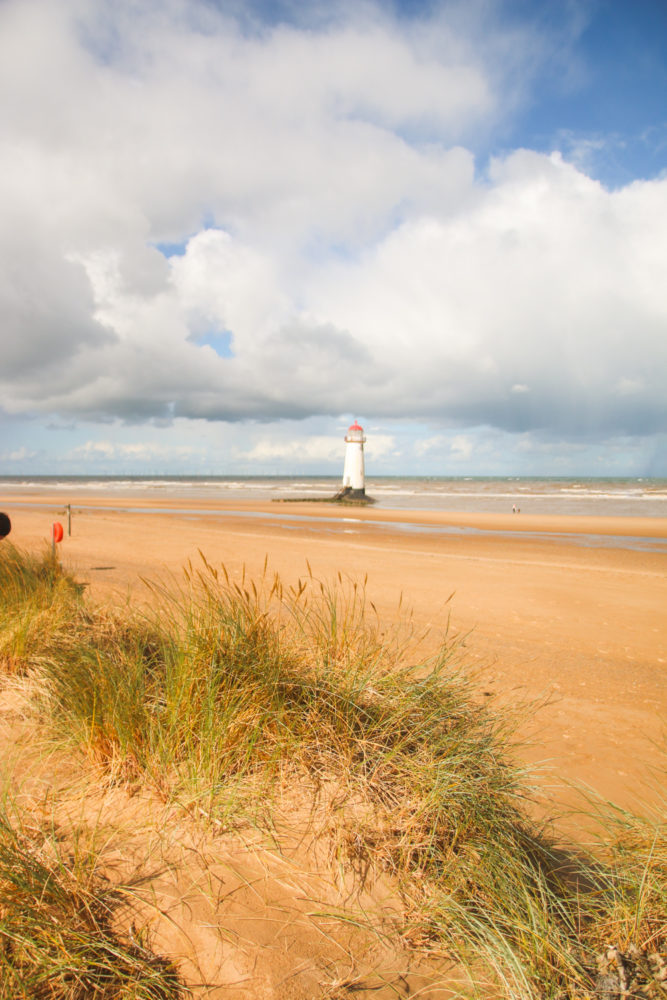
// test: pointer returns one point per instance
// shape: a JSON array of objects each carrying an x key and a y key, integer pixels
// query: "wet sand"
[{"x": 566, "y": 613}]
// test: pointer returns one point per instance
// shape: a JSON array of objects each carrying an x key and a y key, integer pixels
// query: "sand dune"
[{"x": 568, "y": 612}]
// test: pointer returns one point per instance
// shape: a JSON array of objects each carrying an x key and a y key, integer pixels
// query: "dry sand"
[{"x": 561, "y": 611}]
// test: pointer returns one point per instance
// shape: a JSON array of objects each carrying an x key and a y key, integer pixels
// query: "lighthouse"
[{"x": 354, "y": 487}]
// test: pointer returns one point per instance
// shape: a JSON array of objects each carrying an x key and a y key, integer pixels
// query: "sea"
[{"x": 615, "y": 497}]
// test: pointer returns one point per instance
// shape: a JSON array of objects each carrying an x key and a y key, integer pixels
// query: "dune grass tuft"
[
  {"x": 233, "y": 687},
  {"x": 37, "y": 604},
  {"x": 57, "y": 936}
]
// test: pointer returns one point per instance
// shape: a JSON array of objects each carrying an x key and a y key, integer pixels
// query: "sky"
[{"x": 228, "y": 229}]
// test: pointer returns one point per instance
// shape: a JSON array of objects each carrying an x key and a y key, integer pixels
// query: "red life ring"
[{"x": 57, "y": 531}]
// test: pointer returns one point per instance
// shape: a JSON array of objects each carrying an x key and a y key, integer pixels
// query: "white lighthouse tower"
[{"x": 354, "y": 486}]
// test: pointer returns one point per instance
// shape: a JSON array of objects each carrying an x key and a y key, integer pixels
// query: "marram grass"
[
  {"x": 57, "y": 932},
  {"x": 230, "y": 691},
  {"x": 38, "y": 605}
]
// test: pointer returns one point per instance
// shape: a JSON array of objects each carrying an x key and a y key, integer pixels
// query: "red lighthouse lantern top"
[{"x": 355, "y": 433}]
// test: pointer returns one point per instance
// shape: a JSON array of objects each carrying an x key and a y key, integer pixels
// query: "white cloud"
[
  {"x": 549, "y": 282},
  {"x": 462, "y": 446},
  {"x": 221, "y": 283},
  {"x": 330, "y": 224},
  {"x": 630, "y": 386},
  {"x": 136, "y": 451},
  {"x": 314, "y": 448},
  {"x": 379, "y": 446},
  {"x": 18, "y": 455}
]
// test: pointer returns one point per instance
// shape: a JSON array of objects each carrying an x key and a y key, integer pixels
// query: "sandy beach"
[{"x": 564, "y": 614}]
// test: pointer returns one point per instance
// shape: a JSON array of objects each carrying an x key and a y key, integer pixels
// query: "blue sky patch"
[
  {"x": 220, "y": 340},
  {"x": 171, "y": 249}
]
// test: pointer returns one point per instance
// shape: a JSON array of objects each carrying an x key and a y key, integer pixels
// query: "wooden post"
[{"x": 69, "y": 519}]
